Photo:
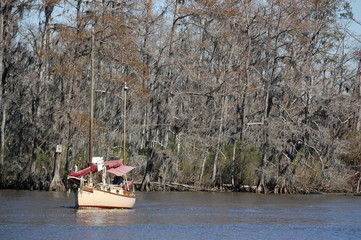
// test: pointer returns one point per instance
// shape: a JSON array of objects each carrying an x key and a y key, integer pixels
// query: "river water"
[{"x": 182, "y": 215}]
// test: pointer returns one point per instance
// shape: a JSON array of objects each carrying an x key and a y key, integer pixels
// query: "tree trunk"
[
  {"x": 215, "y": 163},
  {"x": 358, "y": 96},
  {"x": 358, "y": 185},
  {"x": 234, "y": 162},
  {"x": 2, "y": 107},
  {"x": 57, "y": 184},
  {"x": 148, "y": 170},
  {"x": 173, "y": 30},
  {"x": 69, "y": 157},
  {"x": 262, "y": 188},
  {"x": 44, "y": 74},
  {"x": 34, "y": 156},
  {"x": 203, "y": 166},
  {"x": 2, "y": 147}
]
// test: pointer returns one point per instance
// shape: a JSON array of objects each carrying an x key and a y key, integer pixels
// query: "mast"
[
  {"x": 91, "y": 104},
  {"x": 124, "y": 122}
]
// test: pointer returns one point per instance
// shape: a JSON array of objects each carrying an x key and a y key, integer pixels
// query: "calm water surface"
[{"x": 182, "y": 215}]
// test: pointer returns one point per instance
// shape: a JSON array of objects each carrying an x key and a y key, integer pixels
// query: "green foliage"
[
  {"x": 249, "y": 160},
  {"x": 189, "y": 172},
  {"x": 300, "y": 155},
  {"x": 45, "y": 159},
  {"x": 116, "y": 150},
  {"x": 352, "y": 155},
  {"x": 143, "y": 152},
  {"x": 81, "y": 158}
]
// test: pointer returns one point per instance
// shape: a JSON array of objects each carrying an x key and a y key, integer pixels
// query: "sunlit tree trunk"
[
  {"x": 203, "y": 166},
  {"x": 2, "y": 107},
  {"x": 222, "y": 114},
  {"x": 358, "y": 96}
]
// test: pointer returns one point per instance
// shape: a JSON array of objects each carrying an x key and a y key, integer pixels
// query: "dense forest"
[{"x": 222, "y": 93}]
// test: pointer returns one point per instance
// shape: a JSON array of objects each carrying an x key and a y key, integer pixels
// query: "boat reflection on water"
[{"x": 104, "y": 217}]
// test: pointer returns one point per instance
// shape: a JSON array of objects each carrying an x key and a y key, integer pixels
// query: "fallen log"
[{"x": 170, "y": 186}]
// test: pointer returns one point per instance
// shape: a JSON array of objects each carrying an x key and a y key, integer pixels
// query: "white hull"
[{"x": 112, "y": 197}]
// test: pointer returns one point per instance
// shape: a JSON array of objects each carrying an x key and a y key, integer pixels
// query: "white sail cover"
[{"x": 99, "y": 162}]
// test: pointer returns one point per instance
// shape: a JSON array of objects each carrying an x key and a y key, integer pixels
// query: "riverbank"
[
  {"x": 40, "y": 185},
  {"x": 169, "y": 186},
  {"x": 41, "y": 181},
  {"x": 18, "y": 178}
]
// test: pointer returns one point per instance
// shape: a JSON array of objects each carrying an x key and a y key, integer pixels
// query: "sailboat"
[
  {"x": 91, "y": 194},
  {"x": 103, "y": 194}
]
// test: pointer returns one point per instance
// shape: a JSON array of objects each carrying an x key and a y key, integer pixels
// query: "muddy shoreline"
[
  {"x": 19, "y": 179},
  {"x": 42, "y": 182}
]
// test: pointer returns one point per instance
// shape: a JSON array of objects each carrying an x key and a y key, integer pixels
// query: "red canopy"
[
  {"x": 80, "y": 173},
  {"x": 121, "y": 170},
  {"x": 116, "y": 167},
  {"x": 114, "y": 163}
]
